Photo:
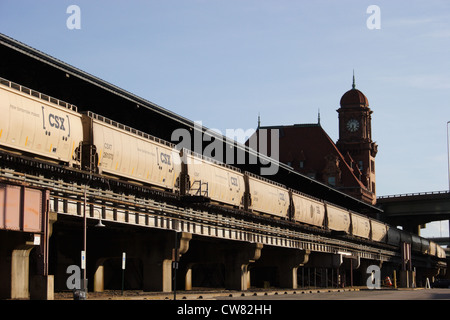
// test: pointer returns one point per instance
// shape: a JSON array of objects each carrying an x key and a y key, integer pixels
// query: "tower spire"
[
  {"x": 318, "y": 117},
  {"x": 259, "y": 120},
  {"x": 353, "y": 85}
]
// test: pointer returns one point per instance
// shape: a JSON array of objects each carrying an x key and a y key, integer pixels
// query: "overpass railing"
[{"x": 415, "y": 194}]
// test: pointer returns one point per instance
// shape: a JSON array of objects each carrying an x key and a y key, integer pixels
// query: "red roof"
[
  {"x": 354, "y": 98},
  {"x": 311, "y": 145}
]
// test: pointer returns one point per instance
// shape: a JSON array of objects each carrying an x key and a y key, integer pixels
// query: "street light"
[
  {"x": 448, "y": 160},
  {"x": 99, "y": 224},
  {"x": 84, "y": 254},
  {"x": 448, "y": 168}
]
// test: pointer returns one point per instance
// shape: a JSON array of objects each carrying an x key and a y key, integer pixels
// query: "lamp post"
[
  {"x": 448, "y": 168},
  {"x": 84, "y": 236},
  {"x": 448, "y": 160},
  {"x": 84, "y": 253}
]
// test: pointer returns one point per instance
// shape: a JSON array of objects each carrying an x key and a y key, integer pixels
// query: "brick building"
[{"x": 347, "y": 165}]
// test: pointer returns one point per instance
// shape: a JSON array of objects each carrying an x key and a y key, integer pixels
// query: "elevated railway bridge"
[
  {"x": 50, "y": 213},
  {"x": 212, "y": 246},
  {"x": 414, "y": 210}
]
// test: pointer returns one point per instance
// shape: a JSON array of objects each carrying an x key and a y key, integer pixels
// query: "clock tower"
[{"x": 355, "y": 136}]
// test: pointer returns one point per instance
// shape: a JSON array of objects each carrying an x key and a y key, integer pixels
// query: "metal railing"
[
  {"x": 414, "y": 194},
  {"x": 37, "y": 94},
  {"x": 266, "y": 233}
]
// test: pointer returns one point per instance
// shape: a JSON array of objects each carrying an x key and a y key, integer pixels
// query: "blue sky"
[{"x": 223, "y": 62}]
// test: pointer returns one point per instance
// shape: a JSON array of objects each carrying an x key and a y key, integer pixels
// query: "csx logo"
[
  {"x": 165, "y": 158},
  {"x": 56, "y": 122},
  {"x": 234, "y": 181}
]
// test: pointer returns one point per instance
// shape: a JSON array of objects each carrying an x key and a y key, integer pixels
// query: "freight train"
[{"x": 35, "y": 124}]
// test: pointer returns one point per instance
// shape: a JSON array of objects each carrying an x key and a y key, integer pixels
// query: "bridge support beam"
[
  {"x": 158, "y": 262},
  {"x": 288, "y": 267},
  {"x": 325, "y": 260},
  {"x": 20, "y": 272},
  {"x": 237, "y": 275},
  {"x": 343, "y": 263},
  {"x": 17, "y": 279},
  {"x": 280, "y": 265},
  {"x": 99, "y": 275},
  {"x": 24, "y": 286}
]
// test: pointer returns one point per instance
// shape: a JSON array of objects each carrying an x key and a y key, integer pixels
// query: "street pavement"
[{"x": 365, "y": 294}]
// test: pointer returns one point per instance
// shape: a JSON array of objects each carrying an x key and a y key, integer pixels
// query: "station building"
[{"x": 347, "y": 165}]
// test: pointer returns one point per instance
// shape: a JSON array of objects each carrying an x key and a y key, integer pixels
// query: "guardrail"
[{"x": 414, "y": 194}]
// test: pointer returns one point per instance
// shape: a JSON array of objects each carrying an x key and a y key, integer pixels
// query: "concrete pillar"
[
  {"x": 288, "y": 266},
  {"x": 99, "y": 276},
  {"x": 42, "y": 287},
  {"x": 158, "y": 275},
  {"x": 236, "y": 265},
  {"x": 158, "y": 262},
  {"x": 188, "y": 277},
  {"x": 20, "y": 272}
]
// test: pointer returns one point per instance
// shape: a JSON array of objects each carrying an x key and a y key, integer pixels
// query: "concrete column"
[
  {"x": 288, "y": 267},
  {"x": 236, "y": 265},
  {"x": 20, "y": 272},
  {"x": 188, "y": 277},
  {"x": 99, "y": 276},
  {"x": 42, "y": 285},
  {"x": 158, "y": 262},
  {"x": 158, "y": 275}
]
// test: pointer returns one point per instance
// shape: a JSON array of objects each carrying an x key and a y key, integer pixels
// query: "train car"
[
  {"x": 128, "y": 153},
  {"x": 424, "y": 245},
  {"x": 37, "y": 124},
  {"x": 433, "y": 248},
  {"x": 338, "y": 219},
  {"x": 360, "y": 225},
  {"x": 405, "y": 237},
  {"x": 440, "y": 252},
  {"x": 393, "y": 236},
  {"x": 266, "y": 196},
  {"x": 306, "y": 209},
  {"x": 378, "y": 231},
  {"x": 416, "y": 244},
  {"x": 212, "y": 179}
]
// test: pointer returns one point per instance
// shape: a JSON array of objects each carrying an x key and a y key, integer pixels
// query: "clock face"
[{"x": 352, "y": 125}]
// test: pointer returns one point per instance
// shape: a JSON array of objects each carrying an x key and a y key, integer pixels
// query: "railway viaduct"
[
  {"x": 61, "y": 212},
  {"x": 412, "y": 211}
]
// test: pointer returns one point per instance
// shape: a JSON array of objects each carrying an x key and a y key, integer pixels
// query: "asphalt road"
[{"x": 401, "y": 294}]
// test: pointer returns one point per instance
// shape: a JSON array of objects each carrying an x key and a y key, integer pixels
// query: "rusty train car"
[{"x": 52, "y": 130}]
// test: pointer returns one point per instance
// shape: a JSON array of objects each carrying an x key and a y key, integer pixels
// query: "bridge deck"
[{"x": 68, "y": 199}]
